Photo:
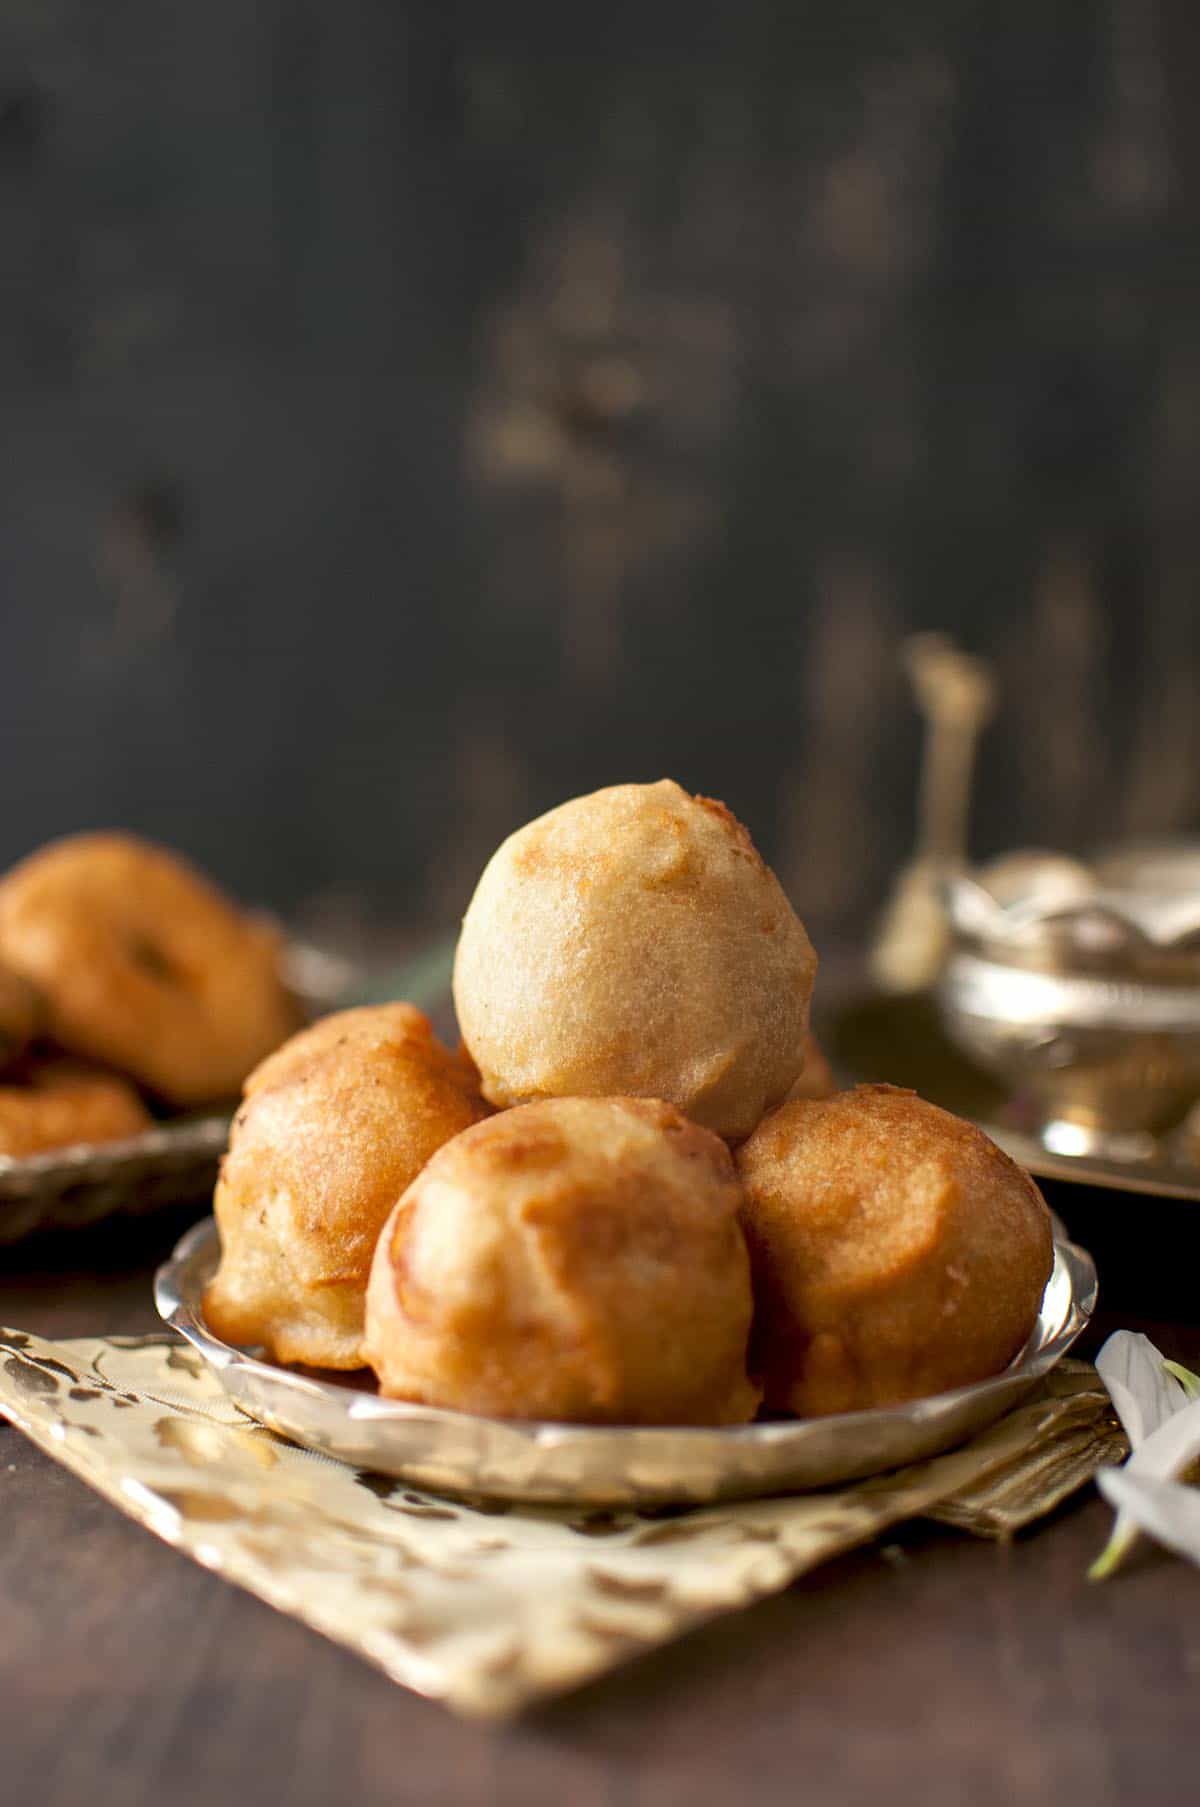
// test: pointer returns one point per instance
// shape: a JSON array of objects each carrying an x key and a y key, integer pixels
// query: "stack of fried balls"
[
  {"x": 127, "y": 980},
  {"x": 632, "y": 1196}
]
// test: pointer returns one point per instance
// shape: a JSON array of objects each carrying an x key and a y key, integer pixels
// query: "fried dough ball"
[
  {"x": 632, "y": 942},
  {"x": 144, "y": 965},
  {"x": 335, "y": 1125},
  {"x": 579, "y": 1259},
  {"x": 61, "y": 1103},
  {"x": 365, "y": 1025},
  {"x": 19, "y": 1015},
  {"x": 897, "y": 1251}
]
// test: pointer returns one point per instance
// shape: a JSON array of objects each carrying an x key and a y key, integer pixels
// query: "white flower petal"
[
  {"x": 1144, "y": 1395},
  {"x": 1165, "y": 1510},
  {"x": 1162, "y": 1426},
  {"x": 1169, "y": 1449}
]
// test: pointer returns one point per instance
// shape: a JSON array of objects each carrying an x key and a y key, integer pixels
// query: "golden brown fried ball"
[
  {"x": 897, "y": 1251},
  {"x": 387, "y": 1025},
  {"x": 579, "y": 1259},
  {"x": 54, "y": 1103},
  {"x": 632, "y": 942},
  {"x": 145, "y": 966},
  {"x": 335, "y": 1125},
  {"x": 19, "y": 1015}
]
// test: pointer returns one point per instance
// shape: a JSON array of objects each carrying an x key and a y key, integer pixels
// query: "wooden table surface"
[{"x": 937, "y": 1670}]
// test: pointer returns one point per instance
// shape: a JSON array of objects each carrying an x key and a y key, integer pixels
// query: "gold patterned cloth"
[{"x": 489, "y": 1607}]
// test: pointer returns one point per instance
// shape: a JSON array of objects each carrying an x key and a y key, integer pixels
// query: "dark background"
[{"x": 411, "y": 415}]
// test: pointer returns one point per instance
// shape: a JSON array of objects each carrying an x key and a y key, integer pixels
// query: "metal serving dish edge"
[
  {"x": 70, "y": 1188},
  {"x": 537, "y": 1463}
]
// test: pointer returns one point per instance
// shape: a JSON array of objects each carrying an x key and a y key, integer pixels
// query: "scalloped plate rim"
[{"x": 607, "y": 1456}]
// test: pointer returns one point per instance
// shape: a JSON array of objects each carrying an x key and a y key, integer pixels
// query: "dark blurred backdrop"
[{"x": 415, "y": 414}]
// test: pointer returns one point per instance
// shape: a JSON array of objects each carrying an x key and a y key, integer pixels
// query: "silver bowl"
[
  {"x": 1080, "y": 989},
  {"x": 453, "y": 1452}
]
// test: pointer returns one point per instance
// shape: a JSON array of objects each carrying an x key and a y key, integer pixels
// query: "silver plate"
[{"x": 451, "y": 1452}]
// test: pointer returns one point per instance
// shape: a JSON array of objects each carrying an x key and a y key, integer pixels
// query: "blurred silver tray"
[
  {"x": 69, "y": 1188},
  {"x": 1169, "y": 1174},
  {"x": 451, "y": 1452},
  {"x": 173, "y": 1163}
]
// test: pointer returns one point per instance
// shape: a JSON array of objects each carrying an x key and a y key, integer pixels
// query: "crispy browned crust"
[
  {"x": 578, "y": 1260},
  {"x": 55, "y": 1103},
  {"x": 334, "y": 1126},
  {"x": 395, "y": 1025},
  {"x": 633, "y": 943},
  {"x": 897, "y": 1251},
  {"x": 145, "y": 966}
]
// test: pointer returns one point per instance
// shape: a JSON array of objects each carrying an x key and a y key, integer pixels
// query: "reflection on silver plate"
[{"x": 451, "y": 1452}]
